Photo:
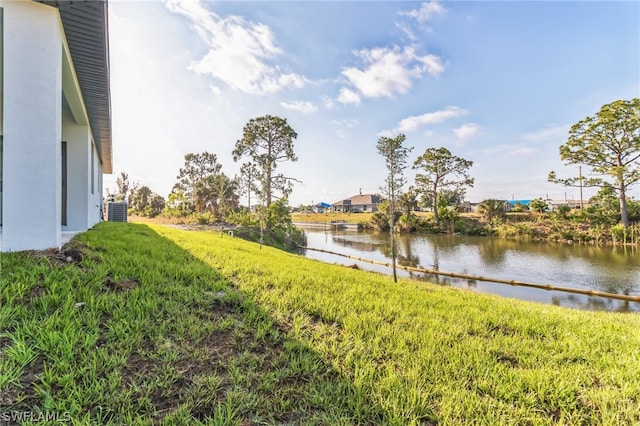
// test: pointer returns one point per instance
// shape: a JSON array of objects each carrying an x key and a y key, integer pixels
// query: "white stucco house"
[
  {"x": 360, "y": 203},
  {"x": 55, "y": 120}
]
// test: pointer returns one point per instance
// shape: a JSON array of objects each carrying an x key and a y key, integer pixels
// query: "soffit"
[{"x": 85, "y": 25}]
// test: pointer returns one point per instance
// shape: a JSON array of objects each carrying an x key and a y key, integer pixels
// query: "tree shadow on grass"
[{"x": 181, "y": 345}]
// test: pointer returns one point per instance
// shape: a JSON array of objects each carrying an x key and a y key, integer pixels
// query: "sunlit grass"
[{"x": 163, "y": 325}]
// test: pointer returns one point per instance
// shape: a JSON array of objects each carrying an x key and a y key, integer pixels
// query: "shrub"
[
  {"x": 408, "y": 223},
  {"x": 448, "y": 217},
  {"x": 242, "y": 217},
  {"x": 619, "y": 233},
  {"x": 430, "y": 227},
  {"x": 563, "y": 211},
  {"x": 633, "y": 209},
  {"x": 204, "y": 218}
]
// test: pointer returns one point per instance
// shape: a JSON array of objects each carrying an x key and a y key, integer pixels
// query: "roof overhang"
[{"x": 86, "y": 28}]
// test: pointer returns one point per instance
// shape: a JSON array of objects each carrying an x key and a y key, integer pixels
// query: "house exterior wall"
[
  {"x": 364, "y": 208},
  {"x": 78, "y": 142},
  {"x": 94, "y": 209},
  {"x": 37, "y": 80},
  {"x": 355, "y": 208},
  {"x": 32, "y": 114}
]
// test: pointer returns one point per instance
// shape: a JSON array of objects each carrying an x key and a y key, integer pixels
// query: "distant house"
[
  {"x": 55, "y": 120},
  {"x": 468, "y": 207},
  {"x": 361, "y": 203},
  {"x": 572, "y": 204},
  {"x": 321, "y": 208},
  {"x": 511, "y": 204}
]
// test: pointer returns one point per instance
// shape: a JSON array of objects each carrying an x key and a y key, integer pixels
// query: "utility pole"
[{"x": 580, "y": 171}]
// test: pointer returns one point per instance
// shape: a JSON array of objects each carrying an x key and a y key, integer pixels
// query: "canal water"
[{"x": 607, "y": 269}]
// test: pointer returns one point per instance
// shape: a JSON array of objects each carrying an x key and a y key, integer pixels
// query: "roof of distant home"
[
  {"x": 360, "y": 199},
  {"x": 86, "y": 28}
]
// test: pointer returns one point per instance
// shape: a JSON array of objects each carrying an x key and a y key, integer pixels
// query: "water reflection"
[
  {"x": 493, "y": 254},
  {"x": 608, "y": 269},
  {"x": 593, "y": 303},
  {"x": 406, "y": 257}
]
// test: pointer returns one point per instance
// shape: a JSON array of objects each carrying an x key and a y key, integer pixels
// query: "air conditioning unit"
[{"x": 117, "y": 211}]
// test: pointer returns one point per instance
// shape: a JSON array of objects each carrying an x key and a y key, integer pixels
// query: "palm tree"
[{"x": 216, "y": 194}]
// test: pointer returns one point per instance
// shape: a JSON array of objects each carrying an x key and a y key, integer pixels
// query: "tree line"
[
  {"x": 205, "y": 192},
  {"x": 607, "y": 145}
]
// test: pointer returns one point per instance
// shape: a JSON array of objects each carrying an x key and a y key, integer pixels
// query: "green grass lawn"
[{"x": 144, "y": 324}]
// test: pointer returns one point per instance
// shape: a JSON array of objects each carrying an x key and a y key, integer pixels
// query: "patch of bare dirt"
[
  {"x": 38, "y": 291},
  {"x": 120, "y": 286},
  {"x": 73, "y": 252},
  {"x": 21, "y": 395},
  {"x": 211, "y": 354}
]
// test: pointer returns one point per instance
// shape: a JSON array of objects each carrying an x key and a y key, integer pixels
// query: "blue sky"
[{"x": 498, "y": 83}]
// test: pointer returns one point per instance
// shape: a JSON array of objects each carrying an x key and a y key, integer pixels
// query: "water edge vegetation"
[{"x": 568, "y": 227}]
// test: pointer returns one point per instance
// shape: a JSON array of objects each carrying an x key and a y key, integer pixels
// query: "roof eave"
[{"x": 86, "y": 29}]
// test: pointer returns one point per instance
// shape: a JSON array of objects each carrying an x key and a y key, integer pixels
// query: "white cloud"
[
  {"x": 548, "y": 134},
  {"x": 427, "y": 12},
  {"x": 293, "y": 80},
  {"x": 351, "y": 122},
  {"x": 510, "y": 150},
  {"x": 304, "y": 107},
  {"x": 387, "y": 71},
  {"x": 348, "y": 96},
  {"x": 466, "y": 130},
  {"x": 239, "y": 51},
  {"x": 414, "y": 122},
  {"x": 406, "y": 30},
  {"x": 344, "y": 126},
  {"x": 524, "y": 151},
  {"x": 342, "y": 133},
  {"x": 327, "y": 102},
  {"x": 431, "y": 64}
]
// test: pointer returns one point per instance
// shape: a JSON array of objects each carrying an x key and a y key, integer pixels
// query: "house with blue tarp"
[
  {"x": 321, "y": 207},
  {"x": 511, "y": 204}
]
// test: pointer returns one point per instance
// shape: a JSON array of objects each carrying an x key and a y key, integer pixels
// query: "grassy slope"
[{"x": 181, "y": 326}]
